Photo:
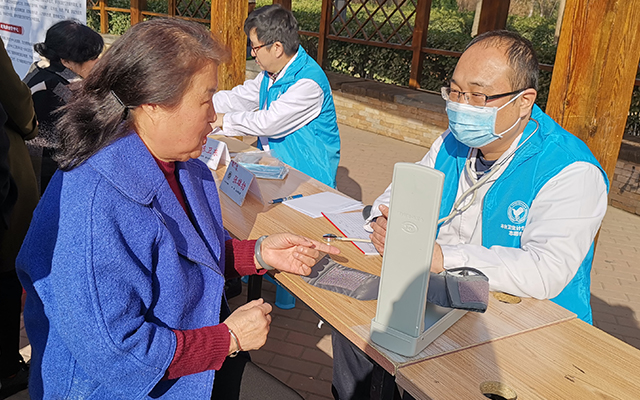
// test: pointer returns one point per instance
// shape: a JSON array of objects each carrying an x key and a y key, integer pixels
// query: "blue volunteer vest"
[
  {"x": 315, "y": 148},
  {"x": 506, "y": 204}
]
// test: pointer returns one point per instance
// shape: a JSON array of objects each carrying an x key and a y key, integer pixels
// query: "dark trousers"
[
  {"x": 240, "y": 379},
  {"x": 10, "y": 305},
  {"x": 358, "y": 377}
]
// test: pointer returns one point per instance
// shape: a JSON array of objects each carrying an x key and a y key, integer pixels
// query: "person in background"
[
  {"x": 18, "y": 198},
  {"x": 289, "y": 105},
  {"x": 125, "y": 260},
  {"x": 69, "y": 51},
  {"x": 522, "y": 199}
]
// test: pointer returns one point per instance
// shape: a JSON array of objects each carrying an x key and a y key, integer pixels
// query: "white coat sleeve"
[
  {"x": 295, "y": 108},
  {"x": 243, "y": 97},
  {"x": 562, "y": 223},
  {"x": 428, "y": 160}
]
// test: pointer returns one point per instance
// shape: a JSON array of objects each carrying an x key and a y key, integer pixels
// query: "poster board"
[{"x": 25, "y": 22}]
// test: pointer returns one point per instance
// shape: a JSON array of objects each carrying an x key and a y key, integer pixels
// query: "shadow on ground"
[
  {"x": 617, "y": 320},
  {"x": 348, "y": 185}
]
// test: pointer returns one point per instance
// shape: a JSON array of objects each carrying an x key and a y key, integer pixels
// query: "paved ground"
[{"x": 299, "y": 353}]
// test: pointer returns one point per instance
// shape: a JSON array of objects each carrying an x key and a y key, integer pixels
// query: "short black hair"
[
  {"x": 71, "y": 41},
  {"x": 521, "y": 56},
  {"x": 274, "y": 24}
]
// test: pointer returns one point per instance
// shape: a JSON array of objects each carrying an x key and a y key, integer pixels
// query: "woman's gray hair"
[{"x": 154, "y": 62}]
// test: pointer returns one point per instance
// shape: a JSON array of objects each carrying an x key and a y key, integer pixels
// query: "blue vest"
[
  {"x": 315, "y": 148},
  {"x": 506, "y": 204}
]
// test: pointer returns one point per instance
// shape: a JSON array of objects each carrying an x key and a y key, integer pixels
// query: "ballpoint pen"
[
  {"x": 330, "y": 237},
  {"x": 281, "y": 199}
]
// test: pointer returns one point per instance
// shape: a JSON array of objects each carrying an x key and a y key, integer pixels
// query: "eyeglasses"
[
  {"x": 255, "y": 49},
  {"x": 473, "y": 98}
]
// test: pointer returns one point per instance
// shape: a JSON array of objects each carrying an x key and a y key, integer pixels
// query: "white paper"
[
  {"x": 351, "y": 225},
  {"x": 325, "y": 202},
  {"x": 214, "y": 152}
]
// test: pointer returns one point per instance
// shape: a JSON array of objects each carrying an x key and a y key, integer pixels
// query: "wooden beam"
[
  {"x": 227, "y": 23},
  {"x": 104, "y": 17},
  {"x": 325, "y": 20},
  {"x": 284, "y": 3},
  {"x": 594, "y": 73},
  {"x": 137, "y": 7},
  {"x": 419, "y": 40},
  {"x": 493, "y": 15}
]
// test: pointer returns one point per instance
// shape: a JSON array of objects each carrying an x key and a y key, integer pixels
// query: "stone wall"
[
  {"x": 625, "y": 187},
  {"x": 410, "y": 124},
  {"x": 412, "y": 116}
]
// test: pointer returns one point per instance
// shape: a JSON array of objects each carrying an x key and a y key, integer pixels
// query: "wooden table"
[
  {"x": 353, "y": 317},
  {"x": 569, "y": 360},
  {"x": 536, "y": 348}
]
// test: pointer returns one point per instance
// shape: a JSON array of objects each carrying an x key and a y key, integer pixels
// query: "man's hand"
[
  {"x": 380, "y": 232},
  {"x": 380, "y": 229},
  {"x": 437, "y": 260},
  {"x": 292, "y": 253}
]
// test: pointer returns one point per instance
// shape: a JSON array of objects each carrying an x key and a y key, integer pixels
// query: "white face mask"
[{"x": 475, "y": 126}]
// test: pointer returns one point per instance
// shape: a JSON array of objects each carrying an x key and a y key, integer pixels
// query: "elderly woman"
[
  {"x": 69, "y": 51},
  {"x": 125, "y": 260}
]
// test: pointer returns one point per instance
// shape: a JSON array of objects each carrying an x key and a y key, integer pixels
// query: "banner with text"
[{"x": 25, "y": 22}]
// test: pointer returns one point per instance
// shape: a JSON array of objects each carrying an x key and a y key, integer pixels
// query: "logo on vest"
[{"x": 518, "y": 212}]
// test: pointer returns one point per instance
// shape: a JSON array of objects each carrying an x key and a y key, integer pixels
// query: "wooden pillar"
[
  {"x": 284, "y": 3},
  {"x": 419, "y": 40},
  {"x": 227, "y": 22},
  {"x": 137, "y": 7},
  {"x": 561, "y": 7},
  {"x": 594, "y": 73},
  {"x": 325, "y": 20},
  {"x": 493, "y": 15},
  {"x": 171, "y": 8},
  {"x": 104, "y": 17}
]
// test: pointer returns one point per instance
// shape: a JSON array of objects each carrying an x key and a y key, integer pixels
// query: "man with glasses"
[
  {"x": 289, "y": 105},
  {"x": 522, "y": 199}
]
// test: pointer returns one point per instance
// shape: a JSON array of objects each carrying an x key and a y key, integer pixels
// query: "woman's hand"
[
  {"x": 292, "y": 253},
  {"x": 380, "y": 229},
  {"x": 250, "y": 323}
]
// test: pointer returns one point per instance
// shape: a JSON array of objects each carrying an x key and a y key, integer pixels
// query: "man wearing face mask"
[{"x": 522, "y": 199}]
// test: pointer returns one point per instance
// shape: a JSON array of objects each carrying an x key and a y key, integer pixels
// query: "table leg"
[
  {"x": 383, "y": 384},
  {"x": 254, "y": 287}
]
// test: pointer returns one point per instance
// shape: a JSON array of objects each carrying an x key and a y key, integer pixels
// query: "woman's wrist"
[
  {"x": 234, "y": 344},
  {"x": 258, "y": 254}
]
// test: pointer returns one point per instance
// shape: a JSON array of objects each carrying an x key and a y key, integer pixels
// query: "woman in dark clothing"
[{"x": 70, "y": 50}]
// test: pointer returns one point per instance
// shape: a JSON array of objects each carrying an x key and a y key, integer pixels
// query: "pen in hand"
[{"x": 281, "y": 199}]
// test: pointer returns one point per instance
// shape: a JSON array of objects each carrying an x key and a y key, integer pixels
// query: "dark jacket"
[
  {"x": 50, "y": 90},
  {"x": 15, "y": 98}
]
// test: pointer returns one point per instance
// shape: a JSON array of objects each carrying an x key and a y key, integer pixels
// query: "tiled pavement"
[{"x": 299, "y": 353}]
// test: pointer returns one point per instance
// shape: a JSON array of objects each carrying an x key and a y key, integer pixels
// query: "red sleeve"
[
  {"x": 199, "y": 350},
  {"x": 239, "y": 259}
]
